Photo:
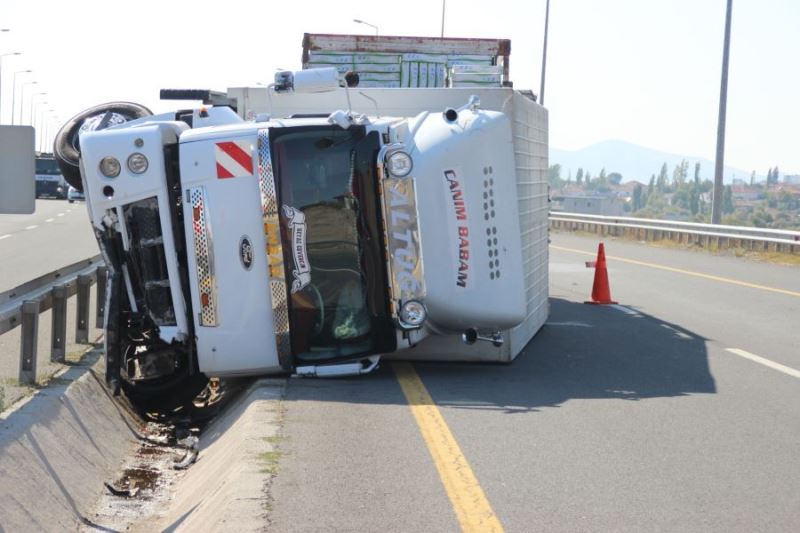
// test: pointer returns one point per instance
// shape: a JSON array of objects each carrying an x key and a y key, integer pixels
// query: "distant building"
[
  {"x": 625, "y": 190},
  {"x": 589, "y": 205},
  {"x": 746, "y": 193},
  {"x": 792, "y": 179}
]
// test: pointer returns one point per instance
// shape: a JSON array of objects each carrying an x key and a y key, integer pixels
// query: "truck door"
[{"x": 229, "y": 271}]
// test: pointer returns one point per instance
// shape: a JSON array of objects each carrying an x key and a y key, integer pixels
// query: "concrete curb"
[
  {"x": 58, "y": 448},
  {"x": 226, "y": 490}
]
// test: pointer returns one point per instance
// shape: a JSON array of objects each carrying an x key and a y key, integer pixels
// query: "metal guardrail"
[
  {"x": 22, "y": 305},
  {"x": 765, "y": 239}
]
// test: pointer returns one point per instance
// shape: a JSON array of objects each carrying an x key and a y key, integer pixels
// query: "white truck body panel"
[{"x": 471, "y": 248}]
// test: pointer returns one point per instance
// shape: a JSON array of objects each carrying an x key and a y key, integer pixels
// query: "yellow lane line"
[
  {"x": 469, "y": 502},
  {"x": 687, "y": 272}
]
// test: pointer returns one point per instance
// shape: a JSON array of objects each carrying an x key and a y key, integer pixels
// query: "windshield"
[
  {"x": 47, "y": 166},
  {"x": 330, "y": 223}
]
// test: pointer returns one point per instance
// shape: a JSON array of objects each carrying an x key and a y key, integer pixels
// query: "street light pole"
[
  {"x": 14, "y": 94},
  {"x": 1, "y": 80},
  {"x": 40, "y": 126},
  {"x": 34, "y": 113},
  {"x": 45, "y": 118},
  {"x": 24, "y": 85},
  {"x": 33, "y": 101},
  {"x": 544, "y": 52},
  {"x": 719, "y": 164},
  {"x": 443, "y": 4},
  {"x": 52, "y": 127},
  {"x": 357, "y": 21}
]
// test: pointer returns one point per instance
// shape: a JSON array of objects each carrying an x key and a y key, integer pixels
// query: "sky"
[{"x": 644, "y": 71}]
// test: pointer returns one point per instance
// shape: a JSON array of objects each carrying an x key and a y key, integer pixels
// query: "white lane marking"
[
  {"x": 568, "y": 323},
  {"x": 766, "y": 362},
  {"x": 626, "y": 310},
  {"x": 49, "y": 220},
  {"x": 4, "y": 237},
  {"x": 32, "y": 227},
  {"x": 69, "y": 210},
  {"x": 60, "y": 215}
]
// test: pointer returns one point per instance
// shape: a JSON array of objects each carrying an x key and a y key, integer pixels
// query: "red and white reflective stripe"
[{"x": 234, "y": 159}]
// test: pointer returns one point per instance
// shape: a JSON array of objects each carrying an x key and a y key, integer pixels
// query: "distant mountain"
[{"x": 634, "y": 162}]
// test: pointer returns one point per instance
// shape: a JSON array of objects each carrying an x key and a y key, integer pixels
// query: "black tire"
[
  {"x": 165, "y": 394},
  {"x": 65, "y": 146}
]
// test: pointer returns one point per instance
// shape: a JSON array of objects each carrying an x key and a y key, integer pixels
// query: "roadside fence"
[
  {"x": 21, "y": 306},
  {"x": 705, "y": 235}
]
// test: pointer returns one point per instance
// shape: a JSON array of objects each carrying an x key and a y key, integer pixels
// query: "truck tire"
[
  {"x": 66, "y": 147},
  {"x": 167, "y": 394}
]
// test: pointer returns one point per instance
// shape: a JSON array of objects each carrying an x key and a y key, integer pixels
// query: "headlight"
[
  {"x": 110, "y": 167},
  {"x": 399, "y": 164},
  {"x": 413, "y": 313},
  {"x": 137, "y": 163}
]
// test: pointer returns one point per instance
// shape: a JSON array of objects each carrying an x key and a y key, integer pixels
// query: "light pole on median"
[
  {"x": 52, "y": 128},
  {"x": 1, "y": 79},
  {"x": 34, "y": 112},
  {"x": 24, "y": 85},
  {"x": 357, "y": 21},
  {"x": 33, "y": 101},
  {"x": 14, "y": 94},
  {"x": 41, "y": 125},
  {"x": 44, "y": 126}
]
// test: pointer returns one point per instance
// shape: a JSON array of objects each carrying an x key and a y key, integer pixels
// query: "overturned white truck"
[{"x": 311, "y": 228}]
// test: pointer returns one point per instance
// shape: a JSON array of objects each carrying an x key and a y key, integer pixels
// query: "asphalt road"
[
  {"x": 630, "y": 418},
  {"x": 55, "y": 235}
]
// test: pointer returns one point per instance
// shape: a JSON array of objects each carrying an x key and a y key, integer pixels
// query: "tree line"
[{"x": 677, "y": 195}]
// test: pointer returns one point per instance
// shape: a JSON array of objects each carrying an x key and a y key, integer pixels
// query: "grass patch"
[
  {"x": 774, "y": 257},
  {"x": 270, "y": 460}
]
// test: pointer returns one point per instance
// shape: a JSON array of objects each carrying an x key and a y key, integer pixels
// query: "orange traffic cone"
[{"x": 601, "y": 292}]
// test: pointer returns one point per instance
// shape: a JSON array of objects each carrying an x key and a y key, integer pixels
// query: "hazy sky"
[{"x": 645, "y": 71}]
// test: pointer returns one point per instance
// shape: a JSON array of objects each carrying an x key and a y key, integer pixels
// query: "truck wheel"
[
  {"x": 165, "y": 394},
  {"x": 66, "y": 147}
]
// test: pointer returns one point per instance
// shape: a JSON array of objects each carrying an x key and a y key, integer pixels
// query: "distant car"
[{"x": 74, "y": 194}]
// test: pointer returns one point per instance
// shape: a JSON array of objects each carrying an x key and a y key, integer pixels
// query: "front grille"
[{"x": 147, "y": 262}]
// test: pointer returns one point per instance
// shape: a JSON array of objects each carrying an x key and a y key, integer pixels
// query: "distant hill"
[{"x": 634, "y": 162}]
